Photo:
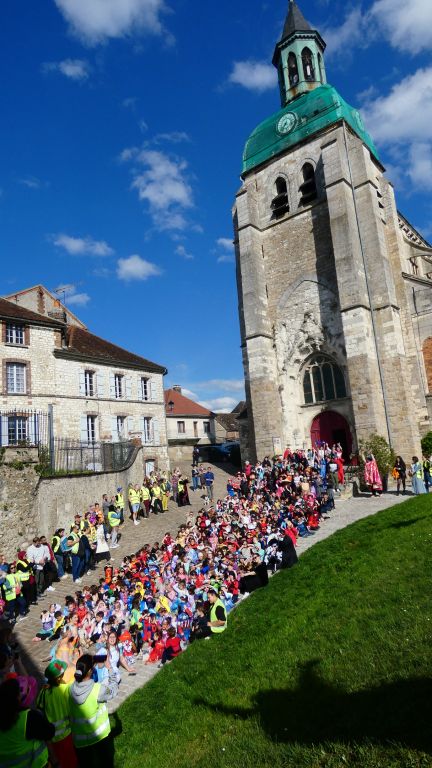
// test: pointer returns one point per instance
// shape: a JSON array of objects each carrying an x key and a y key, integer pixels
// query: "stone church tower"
[{"x": 330, "y": 276}]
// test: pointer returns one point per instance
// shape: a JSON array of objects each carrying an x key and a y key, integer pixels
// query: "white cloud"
[
  {"x": 78, "y": 299},
  {"x": 96, "y": 21},
  {"x": 174, "y": 137},
  {"x": 220, "y": 404},
  {"x": 354, "y": 31},
  {"x": 31, "y": 182},
  {"x": 181, "y": 251},
  {"x": 405, "y": 114},
  {"x": 74, "y": 69},
  {"x": 136, "y": 268},
  {"x": 407, "y": 24},
  {"x": 253, "y": 75},
  {"x": 82, "y": 246},
  {"x": 130, "y": 102},
  {"x": 227, "y": 247},
  {"x": 390, "y": 120},
  {"x": 161, "y": 181},
  {"x": 228, "y": 385},
  {"x": 189, "y": 393}
]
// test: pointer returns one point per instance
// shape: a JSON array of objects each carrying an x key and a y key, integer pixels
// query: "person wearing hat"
[
  {"x": 53, "y": 701},
  {"x": 23, "y": 731}
]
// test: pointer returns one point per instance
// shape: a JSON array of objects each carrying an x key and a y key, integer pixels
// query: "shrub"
[{"x": 426, "y": 444}]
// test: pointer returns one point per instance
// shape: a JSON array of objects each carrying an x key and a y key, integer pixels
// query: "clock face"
[{"x": 287, "y": 123}]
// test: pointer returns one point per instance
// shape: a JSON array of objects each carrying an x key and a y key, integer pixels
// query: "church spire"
[{"x": 298, "y": 56}]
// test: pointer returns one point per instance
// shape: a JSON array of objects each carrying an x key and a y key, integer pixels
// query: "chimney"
[{"x": 177, "y": 388}]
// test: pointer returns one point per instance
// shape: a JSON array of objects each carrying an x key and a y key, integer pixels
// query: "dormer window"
[
  {"x": 15, "y": 334},
  {"x": 293, "y": 74},
  {"x": 308, "y": 188},
  {"x": 280, "y": 204},
  {"x": 308, "y": 67}
]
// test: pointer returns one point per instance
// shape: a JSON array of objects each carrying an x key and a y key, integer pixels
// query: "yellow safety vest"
[
  {"x": 89, "y": 721},
  {"x": 75, "y": 538},
  {"x": 18, "y": 752},
  {"x": 145, "y": 493},
  {"x": 55, "y": 543},
  {"x": 119, "y": 501},
  {"x": 134, "y": 496},
  {"x": 113, "y": 521},
  {"x": 213, "y": 617},
  {"x": 156, "y": 491},
  {"x": 54, "y": 702},
  {"x": 23, "y": 575},
  {"x": 10, "y": 587}
]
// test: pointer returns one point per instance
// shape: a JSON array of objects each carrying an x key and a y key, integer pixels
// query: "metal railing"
[{"x": 73, "y": 457}]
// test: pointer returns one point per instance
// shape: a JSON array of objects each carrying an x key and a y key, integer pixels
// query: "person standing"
[
  {"x": 119, "y": 503},
  {"x": 35, "y": 555},
  {"x": 426, "y": 473},
  {"x": 372, "y": 476},
  {"x": 114, "y": 519},
  {"x": 12, "y": 591},
  {"x": 23, "y": 732},
  {"x": 156, "y": 494},
  {"x": 25, "y": 573},
  {"x": 134, "y": 501},
  {"x": 58, "y": 554},
  {"x": 195, "y": 456},
  {"x": 145, "y": 498},
  {"x": 73, "y": 543},
  {"x": 90, "y": 725},
  {"x": 53, "y": 701},
  {"x": 218, "y": 616},
  {"x": 399, "y": 474},
  {"x": 209, "y": 481},
  {"x": 416, "y": 473}
]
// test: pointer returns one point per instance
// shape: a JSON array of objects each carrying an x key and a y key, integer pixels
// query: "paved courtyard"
[{"x": 35, "y": 654}]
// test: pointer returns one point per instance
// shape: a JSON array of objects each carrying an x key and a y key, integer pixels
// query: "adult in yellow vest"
[
  {"x": 89, "y": 716},
  {"x": 119, "y": 503},
  {"x": 12, "y": 592},
  {"x": 53, "y": 701},
  {"x": 218, "y": 614},
  {"x": 23, "y": 732},
  {"x": 165, "y": 494},
  {"x": 73, "y": 542},
  {"x": 134, "y": 501},
  {"x": 145, "y": 497},
  {"x": 27, "y": 579},
  {"x": 58, "y": 553},
  {"x": 156, "y": 494}
]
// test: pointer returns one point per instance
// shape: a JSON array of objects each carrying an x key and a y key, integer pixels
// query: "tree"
[{"x": 426, "y": 444}]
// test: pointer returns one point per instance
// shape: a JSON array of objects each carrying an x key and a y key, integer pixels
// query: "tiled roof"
[
  {"x": 8, "y": 309},
  {"x": 228, "y": 421},
  {"x": 183, "y": 406},
  {"x": 84, "y": 345}
]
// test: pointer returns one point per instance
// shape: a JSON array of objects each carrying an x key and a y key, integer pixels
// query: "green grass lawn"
[{"x": 329, "y": 666}]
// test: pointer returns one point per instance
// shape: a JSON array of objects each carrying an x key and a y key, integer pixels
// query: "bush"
[
  {"x": 385, "y": 456},
  {"x": 426, "y": 444}
]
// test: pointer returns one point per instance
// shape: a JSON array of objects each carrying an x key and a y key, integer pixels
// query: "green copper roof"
[{"x": 299, "y": 120}]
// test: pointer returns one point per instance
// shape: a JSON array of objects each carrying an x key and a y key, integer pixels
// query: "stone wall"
[{"x": 31, "y": 505}]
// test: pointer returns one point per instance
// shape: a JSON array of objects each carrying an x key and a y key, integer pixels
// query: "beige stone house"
[
  {"x": 334, "y": 284},
  {"x": 98, "y": 391}
]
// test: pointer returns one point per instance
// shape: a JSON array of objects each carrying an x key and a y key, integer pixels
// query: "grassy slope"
[{"x": 328, "y": 666}]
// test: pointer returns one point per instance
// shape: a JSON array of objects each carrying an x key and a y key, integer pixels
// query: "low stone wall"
[{"x": 31, "y": 505}]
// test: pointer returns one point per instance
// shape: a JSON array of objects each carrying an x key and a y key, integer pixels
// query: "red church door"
[{"x": 331, "y": 427}]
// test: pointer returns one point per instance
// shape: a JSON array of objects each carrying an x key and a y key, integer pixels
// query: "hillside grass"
[{"x": 329, "y": 666}]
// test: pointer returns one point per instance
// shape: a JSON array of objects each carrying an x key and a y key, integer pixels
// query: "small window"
[
  {"x": 181, "y": 428},
  {"x": 293, "y": 74},
  {"x": 145, "y": 388},
  {"x": 15, "y": 334},
  {"x": 121, "y": 423},
  {"x": 89, "y": 383},
  {"x": 147, "y": 430},
  {"x": 118, "y": 385},
  {"x": 17, "y": 430},
  {"x": 91, "y": 429},
  {"x": 280, "y": 203},
  {"x": 307, "y": 388},
  {"x": 308, "y": 67},
  {"x": 16, "y": 378},
  {"x": 206, "y": 427},
  {"x": 308, "y": 188}
]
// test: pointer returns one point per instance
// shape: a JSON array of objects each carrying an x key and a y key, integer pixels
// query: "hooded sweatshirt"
[{"x": 81, "y": 691}]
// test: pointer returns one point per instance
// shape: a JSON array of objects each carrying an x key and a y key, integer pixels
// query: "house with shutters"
[{"x": 97, "y": 390}]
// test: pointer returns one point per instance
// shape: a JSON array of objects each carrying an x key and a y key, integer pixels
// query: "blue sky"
[{"x": 123, "y": 126}]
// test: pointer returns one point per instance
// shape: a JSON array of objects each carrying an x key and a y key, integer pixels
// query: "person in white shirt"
[{"x": 37, "y": 555}]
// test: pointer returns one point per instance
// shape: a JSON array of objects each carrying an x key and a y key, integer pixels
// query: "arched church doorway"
[{"x": 331, "y": 427}]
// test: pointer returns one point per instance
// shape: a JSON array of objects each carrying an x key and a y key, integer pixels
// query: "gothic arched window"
[
  {"x": 293, "y": 69},
  {"x": 322, "y": 380},
  {"x": 280, "y": 203},
  {"x": 308, "y": 67},
  {"x": 308, "y": 187}
]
